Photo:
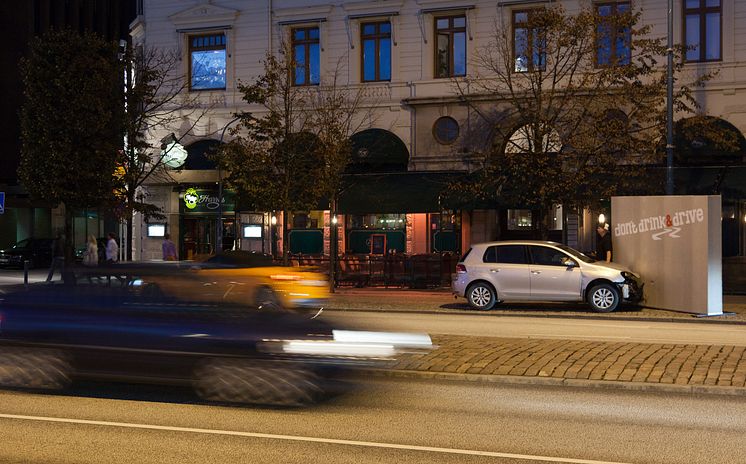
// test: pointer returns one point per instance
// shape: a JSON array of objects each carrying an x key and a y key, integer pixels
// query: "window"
[
  {"x": 376, "y": 50},
  {"x": 519, "y": 219},
  {"x": 450, "y": 43},
  {"x": 506, "y": 254},
  {"x": 545, "y": 256},
  {"x": 529, "y": 47},
  {"x": 445, "y": 130},
  {"x": 207, "y": 62},
  {"x": 306, "y": 49},
  {"x": 702, "y": 29},
  {"x": 613, "y": 41}
]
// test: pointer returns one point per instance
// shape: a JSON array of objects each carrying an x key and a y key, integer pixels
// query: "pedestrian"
[
  {"x": 169, "y": 249},
  {"x": 58, "y": 256},
  {"x": 603, "y": 243},
  {"x": 112, "y": 249},
  {"x": 90, "y": 255}
]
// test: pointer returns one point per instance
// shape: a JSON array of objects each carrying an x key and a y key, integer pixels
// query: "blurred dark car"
[
  {"x": 37, "y": 251},
  {"x": 80, "y": 252},
  {"x": 117, "y": 324}
]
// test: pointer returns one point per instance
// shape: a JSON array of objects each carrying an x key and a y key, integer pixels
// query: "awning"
[{"x": 406, "y": 192}]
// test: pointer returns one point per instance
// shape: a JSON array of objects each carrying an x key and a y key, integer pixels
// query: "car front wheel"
[
  {"x": 481, "y": 296},
  {"x": 603, "y": 298}
]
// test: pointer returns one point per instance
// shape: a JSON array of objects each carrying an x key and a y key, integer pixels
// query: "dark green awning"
[{"x": 407, "y": 192}]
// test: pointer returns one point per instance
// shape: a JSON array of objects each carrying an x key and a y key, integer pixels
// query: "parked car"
[
  {"x": 123, "y": 327},
  {"x": 37, "y": 251},
  {"x": 529, "y": 270},
  {"x": 101, "y": 242}
]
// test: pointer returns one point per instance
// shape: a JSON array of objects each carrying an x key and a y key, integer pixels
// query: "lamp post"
[
  {"x": 669, "y": 104},
  {"x": 219, "y": 231}
]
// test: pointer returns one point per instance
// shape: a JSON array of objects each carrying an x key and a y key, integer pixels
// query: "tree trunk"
[
  {"x": 69, "y": 241},
  {"x": 128, "y": 242},
  {"x": 285, "y": 239},
  {"x": 333, "y": 242}
]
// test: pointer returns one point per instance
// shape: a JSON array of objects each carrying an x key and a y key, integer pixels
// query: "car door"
[
  {"x": 551, "y": 277},
  {"x": 506, "y": 267}
]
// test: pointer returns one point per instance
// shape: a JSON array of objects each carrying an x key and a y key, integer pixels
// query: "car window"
[
  {"x": 506, "y": 254},
  {"x": 576, "y": 254},
  {"x": 546, "y": 256},
  {"x": 22, "y": 244},
  {"x": 463, "y": 258}
]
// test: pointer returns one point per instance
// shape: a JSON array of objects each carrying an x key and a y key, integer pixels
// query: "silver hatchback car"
[{"x": 529, "y": 270}]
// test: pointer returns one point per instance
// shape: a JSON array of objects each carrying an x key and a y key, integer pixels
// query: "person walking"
[
  {"x": 112, "y": 249},
  {"x": 169, "y": 249},
  {"x": 603, "y": 243},
  {"x": 90, "y": 256},
  {"x": 58, "y": 256}
]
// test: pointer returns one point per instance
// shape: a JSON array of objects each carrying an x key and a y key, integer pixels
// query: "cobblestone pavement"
[{"x": 673, "y": 364}]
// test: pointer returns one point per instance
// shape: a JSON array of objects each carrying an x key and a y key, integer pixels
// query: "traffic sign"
[{"x": 2, "y": 202}]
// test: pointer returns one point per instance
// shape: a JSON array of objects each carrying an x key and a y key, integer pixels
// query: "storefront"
[{"x": 199, "y": 224}]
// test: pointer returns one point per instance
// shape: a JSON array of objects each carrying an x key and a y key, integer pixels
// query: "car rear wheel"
[
  {"x": 603, "y": 298},
  {"x": 34, "y": 368},
  {"x": 481, "y": 296},
  {"x": 266, "y": 298},
  {"x": 241, "y": 381}
]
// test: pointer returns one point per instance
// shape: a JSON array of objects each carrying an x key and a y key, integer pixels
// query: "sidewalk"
[
  {"x": 630, "y": 366},
  {"x": 443, "y": 301}
]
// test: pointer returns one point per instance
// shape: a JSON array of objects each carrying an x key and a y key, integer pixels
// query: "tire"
[
  {"x": 603, "y": 298},
  {"x": 241, "y": 381},
  {"x": 34, "y": 369},
  {"x": 481, "y": 296},
  {"x": 266, "y": 298}
]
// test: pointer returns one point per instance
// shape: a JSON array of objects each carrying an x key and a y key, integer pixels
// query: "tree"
[
  {"x": 573, "y": 105},
  {"x": 157, "y": 99},
  {"x": 71, "y": 121},
  {"x": 274, "y": 162}
]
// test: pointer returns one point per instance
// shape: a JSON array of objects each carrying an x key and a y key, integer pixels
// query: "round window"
[{"x": 445, "y": 130}]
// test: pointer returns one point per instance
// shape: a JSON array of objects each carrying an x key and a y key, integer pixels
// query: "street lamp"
[{"x": 219, "y": 231}]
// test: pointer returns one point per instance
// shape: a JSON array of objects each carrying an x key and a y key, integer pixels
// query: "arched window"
[
  {"x": 707, "y": 140},
  {"x": 197, "y": 154},
  {"x": 378, "y": 150}
]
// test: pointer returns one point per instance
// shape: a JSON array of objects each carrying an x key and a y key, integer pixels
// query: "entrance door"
[{"x": 198, "y": 236}]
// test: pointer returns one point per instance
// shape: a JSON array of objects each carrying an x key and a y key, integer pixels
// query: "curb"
[
  {"x": 560, "y": 382},
  {"x": 465, "y": 312}
]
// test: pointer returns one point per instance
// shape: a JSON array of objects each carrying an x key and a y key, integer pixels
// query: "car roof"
[{"x": 517, "y": 242}]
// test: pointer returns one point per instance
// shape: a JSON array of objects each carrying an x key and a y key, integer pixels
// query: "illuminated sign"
[{"x": 191, "y": 198}]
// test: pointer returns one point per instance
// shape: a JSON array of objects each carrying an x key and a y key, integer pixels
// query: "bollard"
[{"x": 25, "y": 272}]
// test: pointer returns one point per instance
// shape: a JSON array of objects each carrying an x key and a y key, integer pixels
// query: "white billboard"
[{"x": 675, "y": 243}]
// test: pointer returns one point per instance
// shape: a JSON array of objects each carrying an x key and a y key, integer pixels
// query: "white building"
[{"x": 409, "y": 84}]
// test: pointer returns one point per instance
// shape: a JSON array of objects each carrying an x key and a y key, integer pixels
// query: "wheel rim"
[
  {"x": 481, "y": 296},
  {"x": 603, "y": 298}
]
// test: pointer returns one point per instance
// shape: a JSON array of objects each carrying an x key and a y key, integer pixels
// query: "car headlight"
[{"x": 630, "y": 275}]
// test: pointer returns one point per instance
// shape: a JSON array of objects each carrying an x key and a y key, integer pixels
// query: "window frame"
[
  {"x": 451, "y": 30},
  {"x": 615, "y": 34},
  {"x": 377, "y": 37},
  {"x": 531, "y": 67},
  {"x": 191, "y": 49},
  {"x": 702, "y": 10},
  {"x": 307, "y": 42}
]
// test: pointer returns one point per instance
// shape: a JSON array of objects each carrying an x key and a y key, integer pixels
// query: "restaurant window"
[
  {"x": 519, "y": 219},
  {"x": 445, "y": 231},
  {"x": 613, "y": 40},
  {"x": 376, "y": 51},
  {"x": 529, "y": 43},
  {"x": 309, "y": 220},
  {"x": 306, "y": 55},
  {"x": 703, "y": 29},
  {"x": 450, "y": 43},
  {"x": 376, "y": 221},
  {"x": 207, "y": 62}
]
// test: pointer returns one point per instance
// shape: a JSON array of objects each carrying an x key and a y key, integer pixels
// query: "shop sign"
[{"x": 196, "y": 200}]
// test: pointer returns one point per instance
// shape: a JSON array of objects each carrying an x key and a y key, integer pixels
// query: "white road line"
[{"x": 269, "y": 436}]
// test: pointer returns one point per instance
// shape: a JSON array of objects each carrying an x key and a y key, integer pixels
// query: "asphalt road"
[
  {"x": 477, "y": 324},
  {"x": 385, "y": 421}
]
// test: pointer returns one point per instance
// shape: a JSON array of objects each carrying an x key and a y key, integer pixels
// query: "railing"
[{"x": 415, "y": 271}]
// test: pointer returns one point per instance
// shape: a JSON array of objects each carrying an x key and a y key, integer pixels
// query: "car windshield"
[
  {"x": 22, "y": 244},
  {"x": 576, "y": 254}
]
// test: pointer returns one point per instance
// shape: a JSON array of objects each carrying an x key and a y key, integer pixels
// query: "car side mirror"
[{"x": 569, "y": 263}]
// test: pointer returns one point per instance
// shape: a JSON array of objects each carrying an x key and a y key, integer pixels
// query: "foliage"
[
  {"x": 562, "y": 128},
  {"x": 71, "y": 119}
]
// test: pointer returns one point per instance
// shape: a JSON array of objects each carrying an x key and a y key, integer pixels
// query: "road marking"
[{"x": 269, "y": 436}]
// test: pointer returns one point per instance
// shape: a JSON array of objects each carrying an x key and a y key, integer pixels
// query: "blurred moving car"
[
  {"x": 101, "y": 242},
  {"x": 530, "y": 270},
  {"x": 254, "y": 278},
  {"x": 37, "y": 251},
  {"x": 119, "y": 326}
]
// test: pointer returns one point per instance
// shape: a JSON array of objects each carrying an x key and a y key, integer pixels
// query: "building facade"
[{"x": 405, "y": 54}]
